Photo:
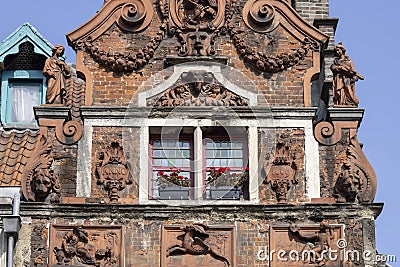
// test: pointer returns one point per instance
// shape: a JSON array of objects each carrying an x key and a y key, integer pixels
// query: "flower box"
[
  {"x": 174, "y": 193},
  {"x": 225, "y": 192}
]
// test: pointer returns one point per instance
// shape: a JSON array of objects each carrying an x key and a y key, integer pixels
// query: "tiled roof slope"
[
  {"x": 15, "y": 150},
  {"x": 75, "y": 96}
]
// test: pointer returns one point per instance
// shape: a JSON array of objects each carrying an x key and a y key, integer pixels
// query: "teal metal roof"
[{"x": 24, "y": 33}]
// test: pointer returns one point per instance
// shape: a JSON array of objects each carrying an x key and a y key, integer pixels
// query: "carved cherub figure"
[{"x": 345, "y": 78}]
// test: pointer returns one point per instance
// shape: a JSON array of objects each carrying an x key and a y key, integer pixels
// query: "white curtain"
[{"x": 24, "y": 98}]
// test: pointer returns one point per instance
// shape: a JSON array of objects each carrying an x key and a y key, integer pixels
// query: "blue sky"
[{"x": 369, "y": 32}]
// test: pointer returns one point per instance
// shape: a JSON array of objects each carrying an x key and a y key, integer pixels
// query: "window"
[
  {"x": 172, "y": 162},
  {"x": 21, "y": 91},
  {"x": 23, "y": 98}
]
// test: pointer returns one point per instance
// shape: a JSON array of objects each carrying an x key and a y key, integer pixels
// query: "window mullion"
[{"x": 198, "y": 163}]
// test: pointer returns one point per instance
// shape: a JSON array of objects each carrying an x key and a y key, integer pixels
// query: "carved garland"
[
  {"x": 124, "y": 61},
  {"x": 265, "y": 63}
]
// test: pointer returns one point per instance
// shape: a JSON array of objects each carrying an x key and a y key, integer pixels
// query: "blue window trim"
[{"x": 10, "y": 77}]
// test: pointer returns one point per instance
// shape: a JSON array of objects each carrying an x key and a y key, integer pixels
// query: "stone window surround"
[
  {"x": 311, "y": 153},
  {"x": 198, "y": 158}
]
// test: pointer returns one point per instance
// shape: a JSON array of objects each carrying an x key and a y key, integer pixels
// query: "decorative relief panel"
[
  {"x": 197, "y": 88},
  {"x": 282, "y": 173},
  {"x": 112, "y": 170},
  {"x": 39, "y": 182},
  {"x": 355, "y": 177},
  {"x": 79, "y": 245},
  {"x": 306, "y": 245},
  {"x": 197, "y": 245}
]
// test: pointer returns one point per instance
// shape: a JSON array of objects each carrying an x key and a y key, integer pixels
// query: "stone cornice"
[{"x": 241, "y": 211}]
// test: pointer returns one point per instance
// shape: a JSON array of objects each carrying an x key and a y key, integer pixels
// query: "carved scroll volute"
[
  {"x": 259, "y": 16},
  {"x": 39, "y": 182},
  {"x": 136, "y": 15},
  {"x": 329, "y": 133},
  {"x": 355, "y": 178},
  {"x": 282, "y": 173}
]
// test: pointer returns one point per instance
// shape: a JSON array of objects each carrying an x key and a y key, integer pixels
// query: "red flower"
[
  {"x": 246, "y": 168},
  {"x": 180, "y": 177},
  {"x": 160, "y": 173}
]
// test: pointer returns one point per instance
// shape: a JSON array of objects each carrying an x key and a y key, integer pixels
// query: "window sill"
[
  {"x": 20, "y": 126},
  {"x": 207, "y": 202}
]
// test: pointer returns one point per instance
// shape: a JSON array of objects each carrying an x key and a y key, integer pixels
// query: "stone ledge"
[{"x": 214, "y": 212}]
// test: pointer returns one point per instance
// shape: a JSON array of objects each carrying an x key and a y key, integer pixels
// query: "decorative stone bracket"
[
  {"x": 328, "y": 133},
  {"x": 68, "y": 132}
]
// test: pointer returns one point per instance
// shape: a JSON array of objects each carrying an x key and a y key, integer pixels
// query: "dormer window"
[{"x": 23, "y": 86}]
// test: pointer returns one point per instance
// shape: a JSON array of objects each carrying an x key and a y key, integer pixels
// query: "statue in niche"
[
  {"x": 317, "y": 242},
  {"x": 56, "y": 71},
  {"x": 345, "y": 78},
  {"x": 194, "y": 242}
]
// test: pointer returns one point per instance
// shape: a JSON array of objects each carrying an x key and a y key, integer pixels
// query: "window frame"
[
  {"x": 245, "y": 150},
  {"x": 151, "y": 169},
  {"x": 9, "y": 78},
  {"x": 191, "y": 138}
]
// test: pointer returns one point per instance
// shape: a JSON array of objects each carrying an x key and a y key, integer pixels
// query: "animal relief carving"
[
  {"x": 355, "y": 177},
  {"x": 196, "y": 244},
  {"x": 39, "y": 182}
]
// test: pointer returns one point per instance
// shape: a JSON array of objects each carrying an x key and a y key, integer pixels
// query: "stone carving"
[
  {"x": 196, "y": 240},
  {"x": 318, "y": 242},
  {"x": 196, "y": 23},
  {"x": 269, "y": 63},
  {"x": 345, "y": 78},
  {"x": 135, "y": 15},
  {"x": 56, "y": 71},
  {"x": 355, "y": 177},
  {"x": 86, "y": 245},
  {"x": 39, "y": 182},
  {"x": 197, "y": 89},
  {"x": 260, "y": 16},
  {"x": 68, "y": 132},
  {"x": 39, "y": 248},
  {"x": 112, "y": 170},
  {"x": 282, "y": 173},
  {"x": 329, "y": 133},
  {"x": 308, "y": 243},
  {"x": 126, "y": 61}
]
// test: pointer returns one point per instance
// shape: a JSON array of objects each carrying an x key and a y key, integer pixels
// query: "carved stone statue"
[
  {"x": 56, "y": 71},
  {"x": 345, "y": 78},
  {"x": 319, "y": 242},
  {"x": 194, "y": 243}
]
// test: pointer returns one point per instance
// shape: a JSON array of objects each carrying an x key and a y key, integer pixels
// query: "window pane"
[{"x": 24, "y": 98}]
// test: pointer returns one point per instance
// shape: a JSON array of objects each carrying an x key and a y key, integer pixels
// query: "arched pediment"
[
  {"x": 130, "y": 15},
  {"x": 197, "y": 85}
]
